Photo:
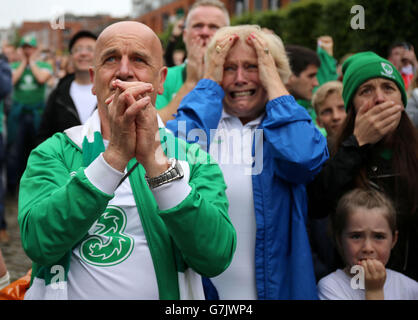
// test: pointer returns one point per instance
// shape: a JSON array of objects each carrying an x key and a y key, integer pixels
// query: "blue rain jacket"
[{"x": 293, "y": 153}]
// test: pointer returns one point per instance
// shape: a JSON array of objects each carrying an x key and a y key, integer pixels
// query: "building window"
[
  {"x": 166, "y": 21},
  {"x": 274, "y": 4},
  {"x": 258, "y": 5},
  {"x": 241, "y": 6}
]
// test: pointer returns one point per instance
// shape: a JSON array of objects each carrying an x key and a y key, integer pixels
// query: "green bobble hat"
[
  {"x": 28, "y": 40},
  {"x": 364, "y": 66}
]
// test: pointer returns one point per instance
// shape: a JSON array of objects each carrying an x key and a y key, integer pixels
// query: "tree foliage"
[{"x": 303, "y": 22}]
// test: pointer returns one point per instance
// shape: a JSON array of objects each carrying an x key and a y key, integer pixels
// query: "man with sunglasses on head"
[{"x": 72, "y": 102}]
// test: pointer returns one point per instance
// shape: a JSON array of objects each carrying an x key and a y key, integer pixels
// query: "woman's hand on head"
[
  {"x": 216, "y": 56},
  {"x": 267, "y": 68}
]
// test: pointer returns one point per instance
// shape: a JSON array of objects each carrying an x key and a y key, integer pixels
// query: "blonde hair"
[
  {"x": 324, "y": 91},
  {"x": 273, "y": 43}
]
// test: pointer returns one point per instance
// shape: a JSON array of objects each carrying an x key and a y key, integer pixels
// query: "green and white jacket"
[{"x": 58, "y": 205}]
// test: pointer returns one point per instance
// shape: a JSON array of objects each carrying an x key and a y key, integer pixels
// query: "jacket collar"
[{"x": 253, "y": 123}]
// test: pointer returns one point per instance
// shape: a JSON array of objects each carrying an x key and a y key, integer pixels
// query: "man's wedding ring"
[{"x": 266, "y": 50}]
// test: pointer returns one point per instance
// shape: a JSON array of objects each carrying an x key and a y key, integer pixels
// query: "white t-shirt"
[
  {"x": 337, "y": 286},
  {"x": 232, "y": 148},
  {"x": 84, "y": 100}
]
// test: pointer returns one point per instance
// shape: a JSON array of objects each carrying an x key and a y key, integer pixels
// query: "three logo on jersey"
[{"x": 107, "y": 245}]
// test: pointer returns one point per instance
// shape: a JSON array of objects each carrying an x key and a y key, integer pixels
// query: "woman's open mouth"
[{"x": 238, "y": 94}]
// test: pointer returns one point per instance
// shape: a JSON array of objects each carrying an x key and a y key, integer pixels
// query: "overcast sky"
[{"x": 36, "y": 10}]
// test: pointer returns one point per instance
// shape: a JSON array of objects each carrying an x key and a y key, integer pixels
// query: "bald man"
[{"x": 108, "y": 210}]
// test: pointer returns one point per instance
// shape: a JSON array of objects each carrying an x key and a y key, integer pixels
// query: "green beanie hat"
[
  {"x": 364, "y": 66},
  {"x": 28, "y": 40}
]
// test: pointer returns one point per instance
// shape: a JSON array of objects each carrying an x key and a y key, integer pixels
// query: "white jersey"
[{"x": 115, "y": 256}]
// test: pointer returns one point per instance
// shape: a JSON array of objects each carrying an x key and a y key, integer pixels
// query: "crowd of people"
[{"x": 241, "y": 168}]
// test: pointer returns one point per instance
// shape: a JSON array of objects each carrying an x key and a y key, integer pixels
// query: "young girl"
[{"x": 364, "y": 228}]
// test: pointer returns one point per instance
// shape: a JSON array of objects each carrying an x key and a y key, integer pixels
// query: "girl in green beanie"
[{"x": 376, "y": 148}]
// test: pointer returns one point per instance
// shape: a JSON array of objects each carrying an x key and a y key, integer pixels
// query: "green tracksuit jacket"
[{"x": 58, "y": 205}]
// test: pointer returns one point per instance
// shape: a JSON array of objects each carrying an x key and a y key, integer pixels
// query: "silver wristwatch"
[{"x": 173, "y": 173}]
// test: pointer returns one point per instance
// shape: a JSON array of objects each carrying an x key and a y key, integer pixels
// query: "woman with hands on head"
[
  {"x": 268, "y": 149},
  {"x": 252, "y": 56},
  {"x": 376, "y": 148}
]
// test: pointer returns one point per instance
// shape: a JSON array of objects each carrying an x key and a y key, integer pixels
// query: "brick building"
[
  {"x": 156, "y": 14},
  {"x": 50, "y": 35},
  {"x": 160, "y": 18}
]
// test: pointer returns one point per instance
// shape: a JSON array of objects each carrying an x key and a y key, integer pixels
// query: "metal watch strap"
[{"x": 174, "y": 172}]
